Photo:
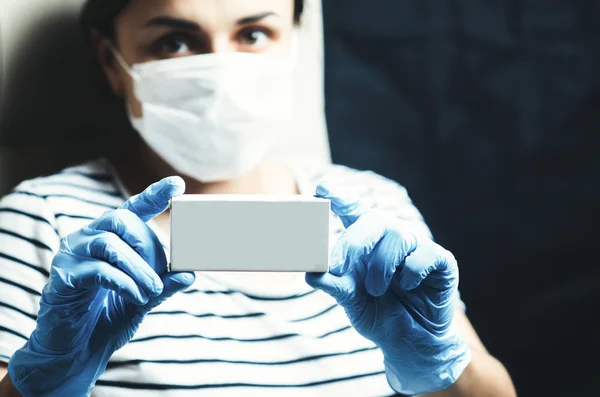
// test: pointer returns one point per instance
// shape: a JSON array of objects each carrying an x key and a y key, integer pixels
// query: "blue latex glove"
[
  {"x": 104, "y": 280},
  {"x": 399, "y": 291}
]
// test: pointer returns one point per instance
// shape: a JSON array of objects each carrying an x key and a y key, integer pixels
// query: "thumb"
[
  {"x": 343, "y": 203},
  {"x": 155, "y": 199}
]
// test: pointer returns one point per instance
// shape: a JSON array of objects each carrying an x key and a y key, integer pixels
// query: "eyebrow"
[
  {"x": 173, "y": 23},
  {"x": 255, "y": 18},
  {"x": 178, "y": 23}
]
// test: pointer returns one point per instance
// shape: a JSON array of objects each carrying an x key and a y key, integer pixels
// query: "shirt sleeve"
[
  {"x": 28, "y": 242},
  {"x": 390, "y": 197}
]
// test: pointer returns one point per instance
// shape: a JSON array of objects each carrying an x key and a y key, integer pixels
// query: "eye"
[
  {"x": 254, "y": 38},
  {"x": 172, "y": 45}
]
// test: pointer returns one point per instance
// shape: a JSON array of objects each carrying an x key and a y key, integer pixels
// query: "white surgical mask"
[{"x": 213, "y": 117}]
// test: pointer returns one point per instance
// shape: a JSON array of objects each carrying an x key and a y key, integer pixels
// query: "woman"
[{"x": 206, "y": 84}]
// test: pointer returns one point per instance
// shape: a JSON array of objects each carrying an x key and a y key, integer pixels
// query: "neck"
[{"x": 140, "y": 167}]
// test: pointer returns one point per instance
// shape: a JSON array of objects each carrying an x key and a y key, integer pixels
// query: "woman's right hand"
[{"x": 104, "y": 280}]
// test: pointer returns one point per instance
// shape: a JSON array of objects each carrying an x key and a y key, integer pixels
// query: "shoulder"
[
  {"x": 67, "y": 198},
  {"x": 95, "y": 176},
  {"x": 374, "y": 190},
  {"x": 364, "y": 183}
]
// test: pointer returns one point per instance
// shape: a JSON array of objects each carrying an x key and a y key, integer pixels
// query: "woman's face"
[{"x": 150, "y": 30}]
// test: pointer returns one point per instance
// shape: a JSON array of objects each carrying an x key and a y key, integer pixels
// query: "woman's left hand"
[{"x": 399, "y": 290}]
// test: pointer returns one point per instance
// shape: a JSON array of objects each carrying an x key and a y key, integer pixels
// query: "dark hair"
[{"x": 100, "y": 15}]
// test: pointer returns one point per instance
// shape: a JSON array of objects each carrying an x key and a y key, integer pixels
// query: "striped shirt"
[{"x": 229, "y": 334}]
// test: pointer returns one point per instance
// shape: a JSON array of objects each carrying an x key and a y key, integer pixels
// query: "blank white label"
[{"x": 249, "y": 233}]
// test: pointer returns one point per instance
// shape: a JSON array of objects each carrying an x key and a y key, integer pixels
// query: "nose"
[{"x": 221, "y": 43}]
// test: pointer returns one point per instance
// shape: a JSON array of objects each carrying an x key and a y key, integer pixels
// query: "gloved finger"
[
  {"x": 174, "y": 283},
  {"x": 346, "y": 289},
  {"x": 432, "y": 264},
  {"x": 155, "y": 199},
  {"x": 137, "y": 234},
  {"x": 389, "y": 253},
  {"x": 357, "y": 242},
  {"x": 177, "y": 282},
  {"x": 108, "y": 247},
  {"x": 348, "y": 208},
  {"x": 91, "y": 274}
]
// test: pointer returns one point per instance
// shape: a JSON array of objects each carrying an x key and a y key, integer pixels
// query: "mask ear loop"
[
  {"x": 121, "y": 60},
  {"x": 136, "y": 123}
]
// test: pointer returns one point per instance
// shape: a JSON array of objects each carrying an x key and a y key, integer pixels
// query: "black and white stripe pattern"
[{"x": 221, "y": 337}]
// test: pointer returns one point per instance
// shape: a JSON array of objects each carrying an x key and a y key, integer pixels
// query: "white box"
[{"x": 249, "y": 233}]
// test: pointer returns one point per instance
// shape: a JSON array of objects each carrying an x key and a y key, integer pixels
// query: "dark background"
[{"x": 489, "y": 113}]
